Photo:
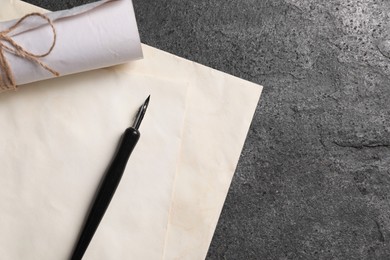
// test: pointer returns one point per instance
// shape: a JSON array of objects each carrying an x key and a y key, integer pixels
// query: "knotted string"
[{"x": 7, "y": 79}]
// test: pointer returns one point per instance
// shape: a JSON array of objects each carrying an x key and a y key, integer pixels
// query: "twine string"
[{"x": 7, "y": 44}]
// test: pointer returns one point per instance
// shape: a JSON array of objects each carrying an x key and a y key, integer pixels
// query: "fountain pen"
[{"x": 109, "y": 183}]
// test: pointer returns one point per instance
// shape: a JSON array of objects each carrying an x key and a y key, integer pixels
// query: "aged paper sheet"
[
  {"x": 58, "y": 138},
  {"x": 218, "y": 113}
]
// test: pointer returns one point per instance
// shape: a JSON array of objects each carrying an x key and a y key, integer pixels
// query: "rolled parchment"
[{"x": 87, "y": 37}]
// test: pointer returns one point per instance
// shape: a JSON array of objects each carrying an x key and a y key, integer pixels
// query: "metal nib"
[{"x": 141, "y": 113}]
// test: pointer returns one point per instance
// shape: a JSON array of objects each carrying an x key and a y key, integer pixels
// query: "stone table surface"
[{"x": 313, "y": 181}]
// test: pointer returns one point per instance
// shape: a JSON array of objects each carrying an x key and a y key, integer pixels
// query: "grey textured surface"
[{"x": 313, "y": 180}]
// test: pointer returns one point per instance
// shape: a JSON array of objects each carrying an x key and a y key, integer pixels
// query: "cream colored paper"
[
  {"x": 56, "y": 146},
  {"x": 96, "y": 35},
  {"x": 219, "y": 111},
  {"x": 220, "y": 108},
  {"x": 58, "y": 137}
]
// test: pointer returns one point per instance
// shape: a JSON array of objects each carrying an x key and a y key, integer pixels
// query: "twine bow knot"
[{"x": 7, "y": 44}]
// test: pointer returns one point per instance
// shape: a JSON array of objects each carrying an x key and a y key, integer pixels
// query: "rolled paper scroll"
[{"x": 87, "y": 37}]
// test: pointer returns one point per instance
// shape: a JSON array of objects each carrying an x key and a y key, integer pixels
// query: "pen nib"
[{"x": 141, "y": 113}]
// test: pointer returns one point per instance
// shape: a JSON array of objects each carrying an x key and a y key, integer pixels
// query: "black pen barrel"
[{"x": 106, "y": 191}]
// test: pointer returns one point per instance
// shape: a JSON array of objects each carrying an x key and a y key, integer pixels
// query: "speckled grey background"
[{"x": 313, "y": 180}]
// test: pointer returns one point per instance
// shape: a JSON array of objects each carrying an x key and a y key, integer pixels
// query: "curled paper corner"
[
  {"x": 85, "y": 39},
  {"x": 53, "y": 16}
]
